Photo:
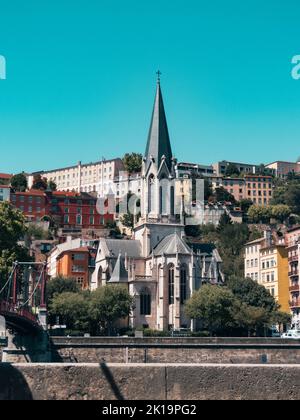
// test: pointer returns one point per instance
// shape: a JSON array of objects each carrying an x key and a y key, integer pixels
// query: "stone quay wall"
[
  {"x": 175, "y": 350},
  {"x": 149, "y": 381}
]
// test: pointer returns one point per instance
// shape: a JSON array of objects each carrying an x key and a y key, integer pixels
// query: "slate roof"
[
  {"x": 120, "y": 274},
  {"x": 158, "y": 143},
  {"x": 172, "y": 244},
  {"x": 114, "y": 247}
]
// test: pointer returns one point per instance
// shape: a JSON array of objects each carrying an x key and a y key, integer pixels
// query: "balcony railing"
[
  {"x": 294, "y": 288},
  {"x": 294, "y": 258},
  {"x": 293, "y": 273},
  {"x": 295, "y": 303}
]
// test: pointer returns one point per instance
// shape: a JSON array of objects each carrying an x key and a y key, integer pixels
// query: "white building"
[
  {"x": 96, "y": 177},
  {"x": 4, "y": 193}
]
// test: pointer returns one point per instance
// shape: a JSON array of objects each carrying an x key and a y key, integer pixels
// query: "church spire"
[{"x": 158, "y": 144}]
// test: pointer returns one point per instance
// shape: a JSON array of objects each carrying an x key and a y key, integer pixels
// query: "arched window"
[
  {"x": 163, "y": 196},
  {"x": 171, "y": 284},
  {"x": 145, "y": 302},
  {"x": 183, "y": 284},
  {"x": 99, "y": 280},
  {"x": 78, "y": 219},
  {"x": 172, "y": 201},
  {"x": 107, "y": 274},
  {"x": 151, "y": 193}
]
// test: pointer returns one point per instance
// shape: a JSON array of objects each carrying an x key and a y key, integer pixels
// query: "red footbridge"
[{"x": 22, "y": 297}]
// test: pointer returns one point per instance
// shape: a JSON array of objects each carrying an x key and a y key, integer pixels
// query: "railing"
[
  {"x": 11, "y": 308},
  {"x": 294, "y": 288},
  {"x": 293, "y": 273},
  {"x": 294, "y": 258},
  {"x": 295, "y": 303}
]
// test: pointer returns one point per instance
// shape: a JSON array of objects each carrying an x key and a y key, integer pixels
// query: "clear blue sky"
[{"x": 81, "y": 79}]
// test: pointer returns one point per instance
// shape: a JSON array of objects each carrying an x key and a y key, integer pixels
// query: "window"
[
  {"x": 145, "y": 302},
  {"x": 78, "y": 219},
  {"x": 78, "y": 257},
  {"x": 171, "y": 284},
  {"x": 66, "y": 219},
  {"x": 183, "y": 284},
  {"x": 78, "y": 269}
]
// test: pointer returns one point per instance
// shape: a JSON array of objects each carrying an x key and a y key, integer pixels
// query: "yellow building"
[{"x": 274, "y": 273}]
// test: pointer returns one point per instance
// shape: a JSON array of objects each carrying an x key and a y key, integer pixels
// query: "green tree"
[
  {"x": 245, "y": 204},
  {"x": 19, "y": 182},
  {"x": 281, "y": 212},
  {"x": 259, "y": 214},
  {"x": 109, "y": 304},
  {"x": 133, "y": 162},
  {"x": 12, "y": 230},
  {"x": 213, "y": 307},
  {"x": 72, "y": 309},
  {"x": 59, "y": 285},
  {"x": 252, "y": 293},
  {"x": 232, "y": 170},
  {"x": 52, "y": 185},
  {"x": 221, "y": 195},
  {"x": 224, "y": 221},
  {"x": 39, "y": 183},
  {"x": 127, "y": 220}
]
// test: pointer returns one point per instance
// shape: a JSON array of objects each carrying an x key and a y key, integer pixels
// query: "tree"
[
  {"x": 127, "y": 220},
  {"x": 12, "y": 230},
  {"x": 221, "y": 195},
  {"x": 232, "y": 170},
  {"x": 59, "y": 285},
  {"x": 259, "y": 214},
  {"x": 245, "y": 204},
  {"x": 51, "y": 185},
  {"x": 39, "y": 183},
  {"x": 109, "y": 304},
  {"x": 212, "y": 305},
  {"x": 73, "y": 310},
  {"x": 252, "y": 293},
  {"x": 133, "y": 162},
  {"x": 19, "y": 182},
  {"x": 224, "y": 221},
  {"x": 281, "y": 212},
  {"x": 114, "y": 231}
]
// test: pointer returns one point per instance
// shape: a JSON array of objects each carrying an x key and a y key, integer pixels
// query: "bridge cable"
[
  {"x": 8, "y": 281},
  {"x": 33, "y": 292}
]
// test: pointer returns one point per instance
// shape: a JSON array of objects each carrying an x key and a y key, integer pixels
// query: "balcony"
[
  {"x": 295, "y": 303},
  {"x": 293, "y": 258},
  {"x": 295, "y": 288},
  {"x": 294, "y": 273}
]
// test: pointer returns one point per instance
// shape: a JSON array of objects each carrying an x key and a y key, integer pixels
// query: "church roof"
[
  {"x": 172, "y": 244},
  {"x": 114, "y": 247},
  {"x": 120, "y": 274},
  {"x": 158, "y": 144}
]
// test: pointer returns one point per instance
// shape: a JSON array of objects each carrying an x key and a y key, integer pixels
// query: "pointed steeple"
[{"x": 158, "y": 144}]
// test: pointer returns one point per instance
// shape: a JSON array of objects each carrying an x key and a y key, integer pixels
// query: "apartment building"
[
  {"x": 259, "y": 189},
  {"x": 78, "y": 263},
  {"x": 293, "y": 247},
  {"x": 95, "y": 177},
  {"x": 66, "y": 209},
  {"x": 186, "y": 170},
  {"x": 266, "y": 261},
  {"x": 282, "y": 168}
]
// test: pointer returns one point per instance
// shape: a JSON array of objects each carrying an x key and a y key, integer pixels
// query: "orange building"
[{"x": 77, "y": 263}]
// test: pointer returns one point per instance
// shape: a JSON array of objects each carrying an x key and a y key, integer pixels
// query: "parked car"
[{"x": 292, "y": 334}]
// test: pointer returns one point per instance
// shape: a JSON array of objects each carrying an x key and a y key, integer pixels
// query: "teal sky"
[{"x": 81, "y": 79}]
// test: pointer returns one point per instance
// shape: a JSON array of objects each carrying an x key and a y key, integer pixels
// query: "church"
[{"x": 160, "y": 268}]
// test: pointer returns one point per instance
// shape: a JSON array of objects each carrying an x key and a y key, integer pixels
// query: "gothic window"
[
  {"x": 145, "y": 302},
  {"x": 172, "y": 200},
  {"x": 151, "y": 193},
  {"x": 171, "y": 273},
  {"x": 183, "y": 284},
  {"x": 163, "y": 196}
]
